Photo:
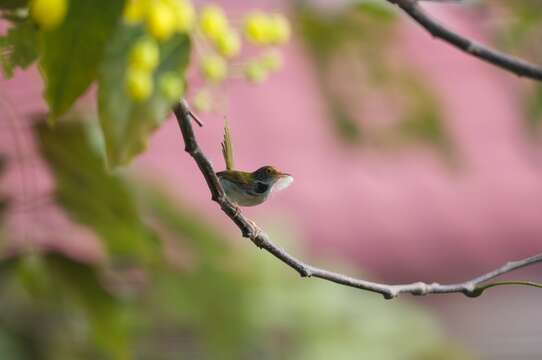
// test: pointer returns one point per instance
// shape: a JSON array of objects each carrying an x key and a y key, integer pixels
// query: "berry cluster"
[
  {"x": 144, "y": 58},
  {"x": 218, "y": 60},
  {"x": 162, "y": 19},
  {"x": 259, "y": 28},
  {"x": 217, "y": 37},
  {"x": 265, "y": 29}
]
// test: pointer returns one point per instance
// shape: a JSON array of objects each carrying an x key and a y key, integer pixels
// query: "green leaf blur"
[
  {"x": 350, "y": 48},
  {"x": 19, "y": 47},
  {"x": 93, "y": 197},
  {"x": 71, "y": 53},
  {"x": 12, "y": 4},
  {"x": 127, "y": 124}
]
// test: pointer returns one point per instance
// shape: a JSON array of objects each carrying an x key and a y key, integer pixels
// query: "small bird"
[{"x": 249, "y": 188}]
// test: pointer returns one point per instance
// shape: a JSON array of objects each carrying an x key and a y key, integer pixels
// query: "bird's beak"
[{"x": 284, "y": 180}]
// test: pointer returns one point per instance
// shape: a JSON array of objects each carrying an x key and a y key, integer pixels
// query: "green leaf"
[
  {"x": 127, "y": 124},
  {"x": 73, "y": 51},
  {"x": 93, "y": 196},
  {"x": 19, "y": 47}
]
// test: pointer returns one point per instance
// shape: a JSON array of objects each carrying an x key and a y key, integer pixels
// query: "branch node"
[
  {"x": 469, "y": 290},
  {"x": 391, "y": 293},
  {"x": 305, "y": 271},
  {"x": 258, "y": 239},
  {"x": 421, "y": 289}
]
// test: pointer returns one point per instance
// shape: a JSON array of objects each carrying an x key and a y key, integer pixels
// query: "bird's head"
[{"x": 272, "y": 177}]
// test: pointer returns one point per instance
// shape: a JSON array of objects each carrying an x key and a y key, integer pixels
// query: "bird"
[{"x": 249, "y": 188}]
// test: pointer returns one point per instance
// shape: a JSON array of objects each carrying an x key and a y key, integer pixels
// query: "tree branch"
[
  {"x": 517, "y": 66},
  {"x": 249, "y": 229}
]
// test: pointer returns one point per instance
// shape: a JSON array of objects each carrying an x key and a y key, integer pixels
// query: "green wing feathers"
[{"x": 227, "y": 148}]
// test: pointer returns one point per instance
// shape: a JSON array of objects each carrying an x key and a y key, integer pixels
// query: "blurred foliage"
[
  {"x": 534, "y": 109},
  {"x": 12, "y": 4},
  {"x": 18, "y": 48},
  {"x": 92, "y": 196},
  {"x": 198, "y": 298},
  {"x": 353, "y": 52},
  {"x": 519, "y": 24},
  {"x": 518, "y": 30},
  {"x": 127, "y": 124},
  {"x": 3, "y": 199},
  {"x": 71, "y": 53}
]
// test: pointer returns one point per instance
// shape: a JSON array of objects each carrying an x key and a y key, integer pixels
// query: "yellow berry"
[
  {"x": 139, "y": 84},
  {"x": 48, "y": 13},
  {"x": 161, "y": 21},
  {"x": 228, "y": 43},
  {"x": 257, "y": 28},
  {"x": 185, "y": 15},
  {"x": 214, "y": 68},
  {"x": 145, "y": 55},
  {"x": 279, "y": 29},
  {"x": 135, "y": 11},
  {"x": 272, "y": 60},
  {"x": 171, "y": 86},
  {"x": 213, "y": 21},
  {"x": 255, "y": 72}
]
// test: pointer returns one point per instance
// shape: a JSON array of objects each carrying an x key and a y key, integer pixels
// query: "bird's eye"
[{"x": 268, "y": 171}]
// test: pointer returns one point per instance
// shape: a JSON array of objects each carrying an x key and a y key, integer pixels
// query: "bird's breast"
[{"x": 243, "y": 195}]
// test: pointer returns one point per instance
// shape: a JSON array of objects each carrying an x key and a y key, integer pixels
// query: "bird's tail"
[{"x": 227, "y": 147}]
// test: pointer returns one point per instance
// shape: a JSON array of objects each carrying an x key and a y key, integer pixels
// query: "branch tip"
[{"x": 492, "y": 56}]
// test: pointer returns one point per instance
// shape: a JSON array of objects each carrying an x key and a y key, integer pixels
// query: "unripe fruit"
[
  {"x": 171, "y": 86},
  {"x": 279, "y": 29},
  {"x": 272, "y": 60},
  {"x": 139, "y": 85},
  {"x": 185, "y": 15},
  {"x": 255, "y": 72},
  {"x": 145, "y": 55},
  {"x": 214, "y": 68},
  {"x": 161, "y": 21},
  {"x": 257, "y": 28},
  {"x": 48, "y": 13},
  {"x": 135, "y": 11},
  {"x": 228, "y": 43},
  {"x": 213, "y": 21}
]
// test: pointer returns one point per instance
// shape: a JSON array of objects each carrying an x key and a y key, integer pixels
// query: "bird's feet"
[{"x": 236, "y": 210}]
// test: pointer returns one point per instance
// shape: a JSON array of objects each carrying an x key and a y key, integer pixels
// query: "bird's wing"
[
  {"x": 240, "y": 178},
  {"x": 227, "y": 148}
]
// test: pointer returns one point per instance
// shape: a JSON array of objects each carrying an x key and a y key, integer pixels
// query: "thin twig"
[
  {"x": 517, "y": 66},
  {"x": 249, "y": 229}
]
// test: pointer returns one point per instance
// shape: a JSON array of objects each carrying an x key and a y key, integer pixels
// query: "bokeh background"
[{"x": 412, "y": 162}]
